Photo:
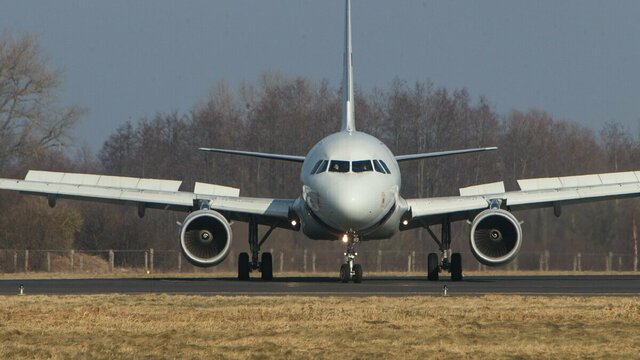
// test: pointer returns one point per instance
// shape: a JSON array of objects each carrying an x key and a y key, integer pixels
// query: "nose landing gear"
[{"x": 350, "y": 270}]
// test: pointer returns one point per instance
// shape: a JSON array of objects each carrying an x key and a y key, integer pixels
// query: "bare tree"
[
  {"x": 31, "y": 120},
  {"x": 617, "y": 145}
]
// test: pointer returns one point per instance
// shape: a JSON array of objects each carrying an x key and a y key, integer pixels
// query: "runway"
[{"x": 326, "y": 286}]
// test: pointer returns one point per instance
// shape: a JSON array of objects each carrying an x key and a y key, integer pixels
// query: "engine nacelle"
[
  {"x": 496, "y": 237},
  {"x": 205, "y": 238}
]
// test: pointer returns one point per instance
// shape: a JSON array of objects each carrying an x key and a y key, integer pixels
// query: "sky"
[{"x": 124, "y": 60}]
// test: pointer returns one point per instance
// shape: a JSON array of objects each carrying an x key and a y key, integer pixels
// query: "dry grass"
[{"x": 177, "y": 326}]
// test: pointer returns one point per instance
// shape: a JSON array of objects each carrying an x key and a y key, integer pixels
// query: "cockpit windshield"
[
  {"x": 315, "y": 167},
  {"x": 339, "y": 166},
  {"x": 323, "y": 166},
  {"x": 378, "y": 167},
  {"x": 320, "y": 166},
  {"x": 386, "y": 168},
  {"x": 361, "y": 166},
  {"x": 343, "y": 166}
]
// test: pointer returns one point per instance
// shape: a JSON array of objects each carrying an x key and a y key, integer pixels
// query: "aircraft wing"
[
  {"x": 534, "y": 193},
  {"x": 151, "y": 193}
]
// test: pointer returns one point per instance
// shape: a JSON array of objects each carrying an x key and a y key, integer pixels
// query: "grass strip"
[{"x": 417, "y": 327}]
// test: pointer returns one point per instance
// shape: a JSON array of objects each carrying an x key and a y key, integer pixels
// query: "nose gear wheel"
[{"x": 350, "y": 270}]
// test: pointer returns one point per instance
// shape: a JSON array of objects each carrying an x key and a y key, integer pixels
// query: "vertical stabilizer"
[{"x": 348, "y": 119}]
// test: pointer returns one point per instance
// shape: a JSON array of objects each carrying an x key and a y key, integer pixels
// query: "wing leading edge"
[{"x": 534, "y": 193}]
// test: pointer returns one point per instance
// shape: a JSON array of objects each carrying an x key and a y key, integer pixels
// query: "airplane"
[{"x": 350, "y": 192}]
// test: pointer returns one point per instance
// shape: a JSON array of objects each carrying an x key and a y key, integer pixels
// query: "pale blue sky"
[{"x": 123, "y": 60}]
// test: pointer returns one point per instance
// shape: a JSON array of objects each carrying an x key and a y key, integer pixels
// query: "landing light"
[
  {"x": 405, "y": 222},
  {"x": 294, "y": 223},
  {"x": 345, "y": 238}
]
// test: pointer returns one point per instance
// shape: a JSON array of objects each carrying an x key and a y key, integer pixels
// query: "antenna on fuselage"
[{"x": 348, "y": 119}]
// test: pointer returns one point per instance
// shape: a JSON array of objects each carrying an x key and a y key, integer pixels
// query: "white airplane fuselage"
[
  {"x": 356, "y": 192},
  {"x": 351, "y": 180}
]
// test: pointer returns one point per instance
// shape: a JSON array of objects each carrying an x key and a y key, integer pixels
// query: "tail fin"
[{"x": 348, "y": 119}]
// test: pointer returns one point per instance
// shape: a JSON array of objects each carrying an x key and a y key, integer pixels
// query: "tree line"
[{"x": 289, "y": 114}]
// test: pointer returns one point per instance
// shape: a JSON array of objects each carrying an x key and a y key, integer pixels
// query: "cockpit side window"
[
  {"x": 361, "y": 166},
  {"x": 315, "y": 167},
  {"x": 386, "y": 168},
  {"x": 323, "y": 167},
  {"x": 378, "y": 167},
  {"x": 339, "y": 166}
]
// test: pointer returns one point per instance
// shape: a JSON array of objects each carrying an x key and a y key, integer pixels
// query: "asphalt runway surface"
[{"x": 327, "y": 286}]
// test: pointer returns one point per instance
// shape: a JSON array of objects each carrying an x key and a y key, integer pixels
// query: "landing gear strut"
[
  {"x": 263, "y": 264},
  {"x": 451, "y": 262},
  {"x": 350, "y": 270}
]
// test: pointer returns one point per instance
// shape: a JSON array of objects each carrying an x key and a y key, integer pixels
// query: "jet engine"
[
  {"x": 496, "y": 237},
  {"x": 205, "y": 238}
]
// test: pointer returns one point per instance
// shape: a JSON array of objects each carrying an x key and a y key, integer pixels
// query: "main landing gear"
[
  {"x": 350, "y": 270},
  {"x": 451, "y": 262},
  {"x": 264, "y": 264}
]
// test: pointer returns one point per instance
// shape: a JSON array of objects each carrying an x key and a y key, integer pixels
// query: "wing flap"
[
  {"x": 446, "y": 205},
  {"x": 535, "y": 199},
  {"x": 579, "y": 181},
  {"x": 620, "y": 178},
  {"x": 215, "y": 190},
  {"x": 103, "y": 181},
  {"x": 483, "y": 189},
  {"x": 181, "y": 200},
  {"x": 278, "y": 208}
]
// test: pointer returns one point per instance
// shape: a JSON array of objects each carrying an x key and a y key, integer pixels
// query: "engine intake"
[
  {"x": 205, "y": 238},
  {"x": 496, "y": 237}
]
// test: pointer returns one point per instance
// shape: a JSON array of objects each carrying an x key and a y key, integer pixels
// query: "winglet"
[{"x": 348, "y": 119}]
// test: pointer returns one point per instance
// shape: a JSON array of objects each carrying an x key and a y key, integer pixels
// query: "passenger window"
[
  {"x": 361, "y": 166},
  {"x": 378, "y": 167},
  {"x": 315, "y": 167},
  {"x": 323, "y": 166},
  {"x": 385, "y": 167},
  {"x": 339, "y": 166}
]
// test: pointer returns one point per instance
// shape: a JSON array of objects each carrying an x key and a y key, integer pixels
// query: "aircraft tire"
[
  {"x": 266, "y": 266},
  {"x": 357, "y": 277},
  {"x": 456, "y": 267},
  {"x": 243, "y": 266},
  {"x": 433, "y": 267},
  {"x": 344, "y": 273}
]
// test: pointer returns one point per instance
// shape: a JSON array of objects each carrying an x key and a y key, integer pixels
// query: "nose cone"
[{"x": 353, "y": 207}]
